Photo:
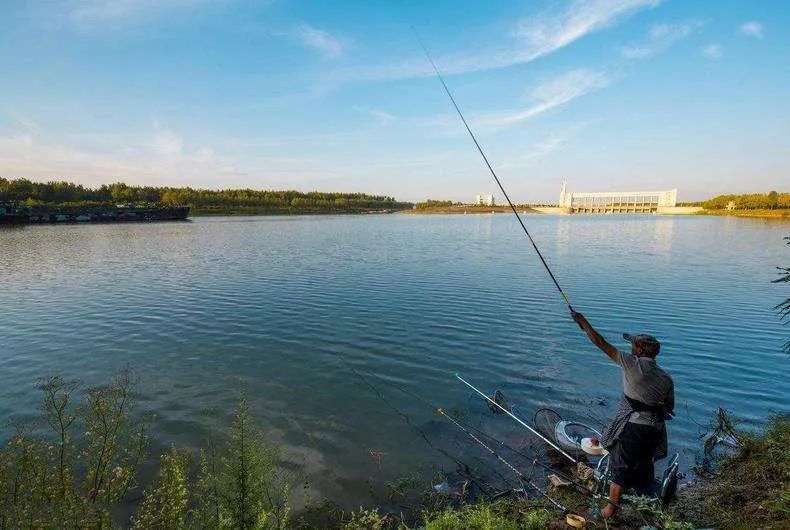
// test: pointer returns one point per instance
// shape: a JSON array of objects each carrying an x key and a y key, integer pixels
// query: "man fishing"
[{"x": 637, "y": 436}]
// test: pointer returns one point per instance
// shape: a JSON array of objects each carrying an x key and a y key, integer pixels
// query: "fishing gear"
[
  {"x": 493, "y": 173},
  {"x": 499, "y": 399},
  {"x": 466, "y": 428},
  {"x": 516, "y": 418},
  {"x": 521, "y": 477}
]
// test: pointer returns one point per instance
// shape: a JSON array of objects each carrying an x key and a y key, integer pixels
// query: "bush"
[
  {"x": 76, "y": 472},
  {"x": 487, "y": 517}
]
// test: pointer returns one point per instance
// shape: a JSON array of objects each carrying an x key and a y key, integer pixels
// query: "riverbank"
[
  {"x": 251, "y": 211},
  {"x": 551, "y": 210},
  {"x": 783, "y": 213},
  {"x": 747, "y": 489},
  {"x": 467, "y": 209},
  {"x": 86, "y": 466}
]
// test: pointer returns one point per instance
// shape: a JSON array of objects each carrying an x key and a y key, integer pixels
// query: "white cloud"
[
  {"x": 532, "y": 38},
  {"x": 660, "y": 39},
  {"x": 712, "y": 51},
  {"x": 554, "y": 93},
  {"x": 752, "y": 29},
  {"x": 162, "y": 159},
  {"x": 319, "y": 40},
  {"x": 545, "y": 33},
  {"x": 103, "y": 11},
  {"x": 167, "y": 143}
]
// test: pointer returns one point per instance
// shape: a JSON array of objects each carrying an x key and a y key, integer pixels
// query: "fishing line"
[{"x": 493, "y": 173}]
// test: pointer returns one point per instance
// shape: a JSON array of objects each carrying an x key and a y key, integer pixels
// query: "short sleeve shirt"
[{"x": 645, "y": 381}]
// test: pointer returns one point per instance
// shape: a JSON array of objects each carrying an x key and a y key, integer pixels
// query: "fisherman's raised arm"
[{"x": 595, "y": 337}]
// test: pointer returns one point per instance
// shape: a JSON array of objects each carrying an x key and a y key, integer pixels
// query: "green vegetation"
[
  {"x": 81, "y": 466},
  {"x": 201, "y": 201},
  {"x": 430, "y": 203},
  {"x": 493, "y": 516},
  {"x": 750, "y": 489},
  {"x": 749, "y": 201}
]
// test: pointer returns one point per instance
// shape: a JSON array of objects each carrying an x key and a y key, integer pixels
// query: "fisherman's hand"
[{"x": 579, "y": 319}]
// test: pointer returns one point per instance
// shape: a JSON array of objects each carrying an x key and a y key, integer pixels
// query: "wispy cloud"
[
  {"x": 554, "y": 93},
  {"x": 382, "y": 117},
  {"x": 752, "y": 29},
  {"x": 533, "y": 37},
  {"x": 161, "y": 158},
  {"x": 712, "y": 51},
  {"x": 167, "y": 143},
  {"x": 660, "y": 39},
  {"x": 103, "y": 11},
  {"x": 319, "y": 40}
]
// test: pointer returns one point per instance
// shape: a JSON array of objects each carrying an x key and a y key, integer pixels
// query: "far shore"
[{"x": 782, "y": 213}]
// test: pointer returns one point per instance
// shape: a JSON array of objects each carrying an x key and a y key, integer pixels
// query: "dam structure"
[{"x": 613, "y": 202}]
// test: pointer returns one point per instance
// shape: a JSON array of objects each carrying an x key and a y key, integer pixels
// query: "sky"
[{"x": 338, "y": 96}]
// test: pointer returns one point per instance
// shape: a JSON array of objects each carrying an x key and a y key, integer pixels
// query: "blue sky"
[{"x": 608, "y": 94}]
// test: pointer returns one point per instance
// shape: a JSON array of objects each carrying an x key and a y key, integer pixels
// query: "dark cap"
[{"x": 647, "y": 343}]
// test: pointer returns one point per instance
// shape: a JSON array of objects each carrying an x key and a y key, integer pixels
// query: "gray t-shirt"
[{"x": 645, "y": 381}]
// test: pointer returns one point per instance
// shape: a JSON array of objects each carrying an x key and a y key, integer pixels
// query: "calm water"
[{"x": 195, "y": 306}]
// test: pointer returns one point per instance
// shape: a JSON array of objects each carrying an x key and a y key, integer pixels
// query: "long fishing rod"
[
  {"x": 467, "y": 427},
  {"x": 522, "y": 478},
  {"x": 582, "y": 487},
  {"x": 493, "y": 173},
  {"x": 516, "y": 418}
]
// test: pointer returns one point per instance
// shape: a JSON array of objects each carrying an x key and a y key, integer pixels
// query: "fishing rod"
[
  {"x": 582, "y": 487},
  {"x": 493, "y": 173},
  {"x": 521, "y": 477},
  {"x": 466, "y": 428},
  {"x": 516, "y": 418}
]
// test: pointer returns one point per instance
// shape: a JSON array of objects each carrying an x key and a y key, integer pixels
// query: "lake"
[{"x": 195, "y": 307}]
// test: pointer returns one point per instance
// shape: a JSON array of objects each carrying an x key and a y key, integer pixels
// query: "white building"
[
  {"x": 484, "y": 200},
  {"x": 616, "y": 201}
]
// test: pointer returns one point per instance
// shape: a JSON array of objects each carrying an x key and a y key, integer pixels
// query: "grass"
[{"x": 750, "y": 489}]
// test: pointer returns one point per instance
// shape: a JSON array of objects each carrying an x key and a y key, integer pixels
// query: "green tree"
[
  {"x": 165, "y": 505},
  {"x": 248, "y": 475},
  {"x": 773, "y": 200}
]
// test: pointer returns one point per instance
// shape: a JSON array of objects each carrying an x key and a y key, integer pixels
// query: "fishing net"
[
  {"x": 545, "y": 421},
  {"x": 499, "y": 403}
]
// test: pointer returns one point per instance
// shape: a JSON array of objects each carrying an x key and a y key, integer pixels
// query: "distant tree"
[
  {"x": 773, "y": 200},
  {"x": 63, "y": 193},
  {"x": 750, "y": 201},
  {"x": 430, "y": 203}
]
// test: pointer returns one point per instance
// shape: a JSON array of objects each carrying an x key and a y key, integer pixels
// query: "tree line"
[
  {"x": 749, "y": 201},
  {"x": 68, "y": 193}
]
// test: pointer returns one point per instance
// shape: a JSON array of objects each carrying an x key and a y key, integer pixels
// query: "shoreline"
[{"x": 481, "y": 210}]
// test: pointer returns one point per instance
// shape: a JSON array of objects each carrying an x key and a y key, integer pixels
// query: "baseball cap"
[{"x": 648, "y": 343}]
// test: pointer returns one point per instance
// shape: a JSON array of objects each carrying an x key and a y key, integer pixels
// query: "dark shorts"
[{"x": 631, "y": 457}]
